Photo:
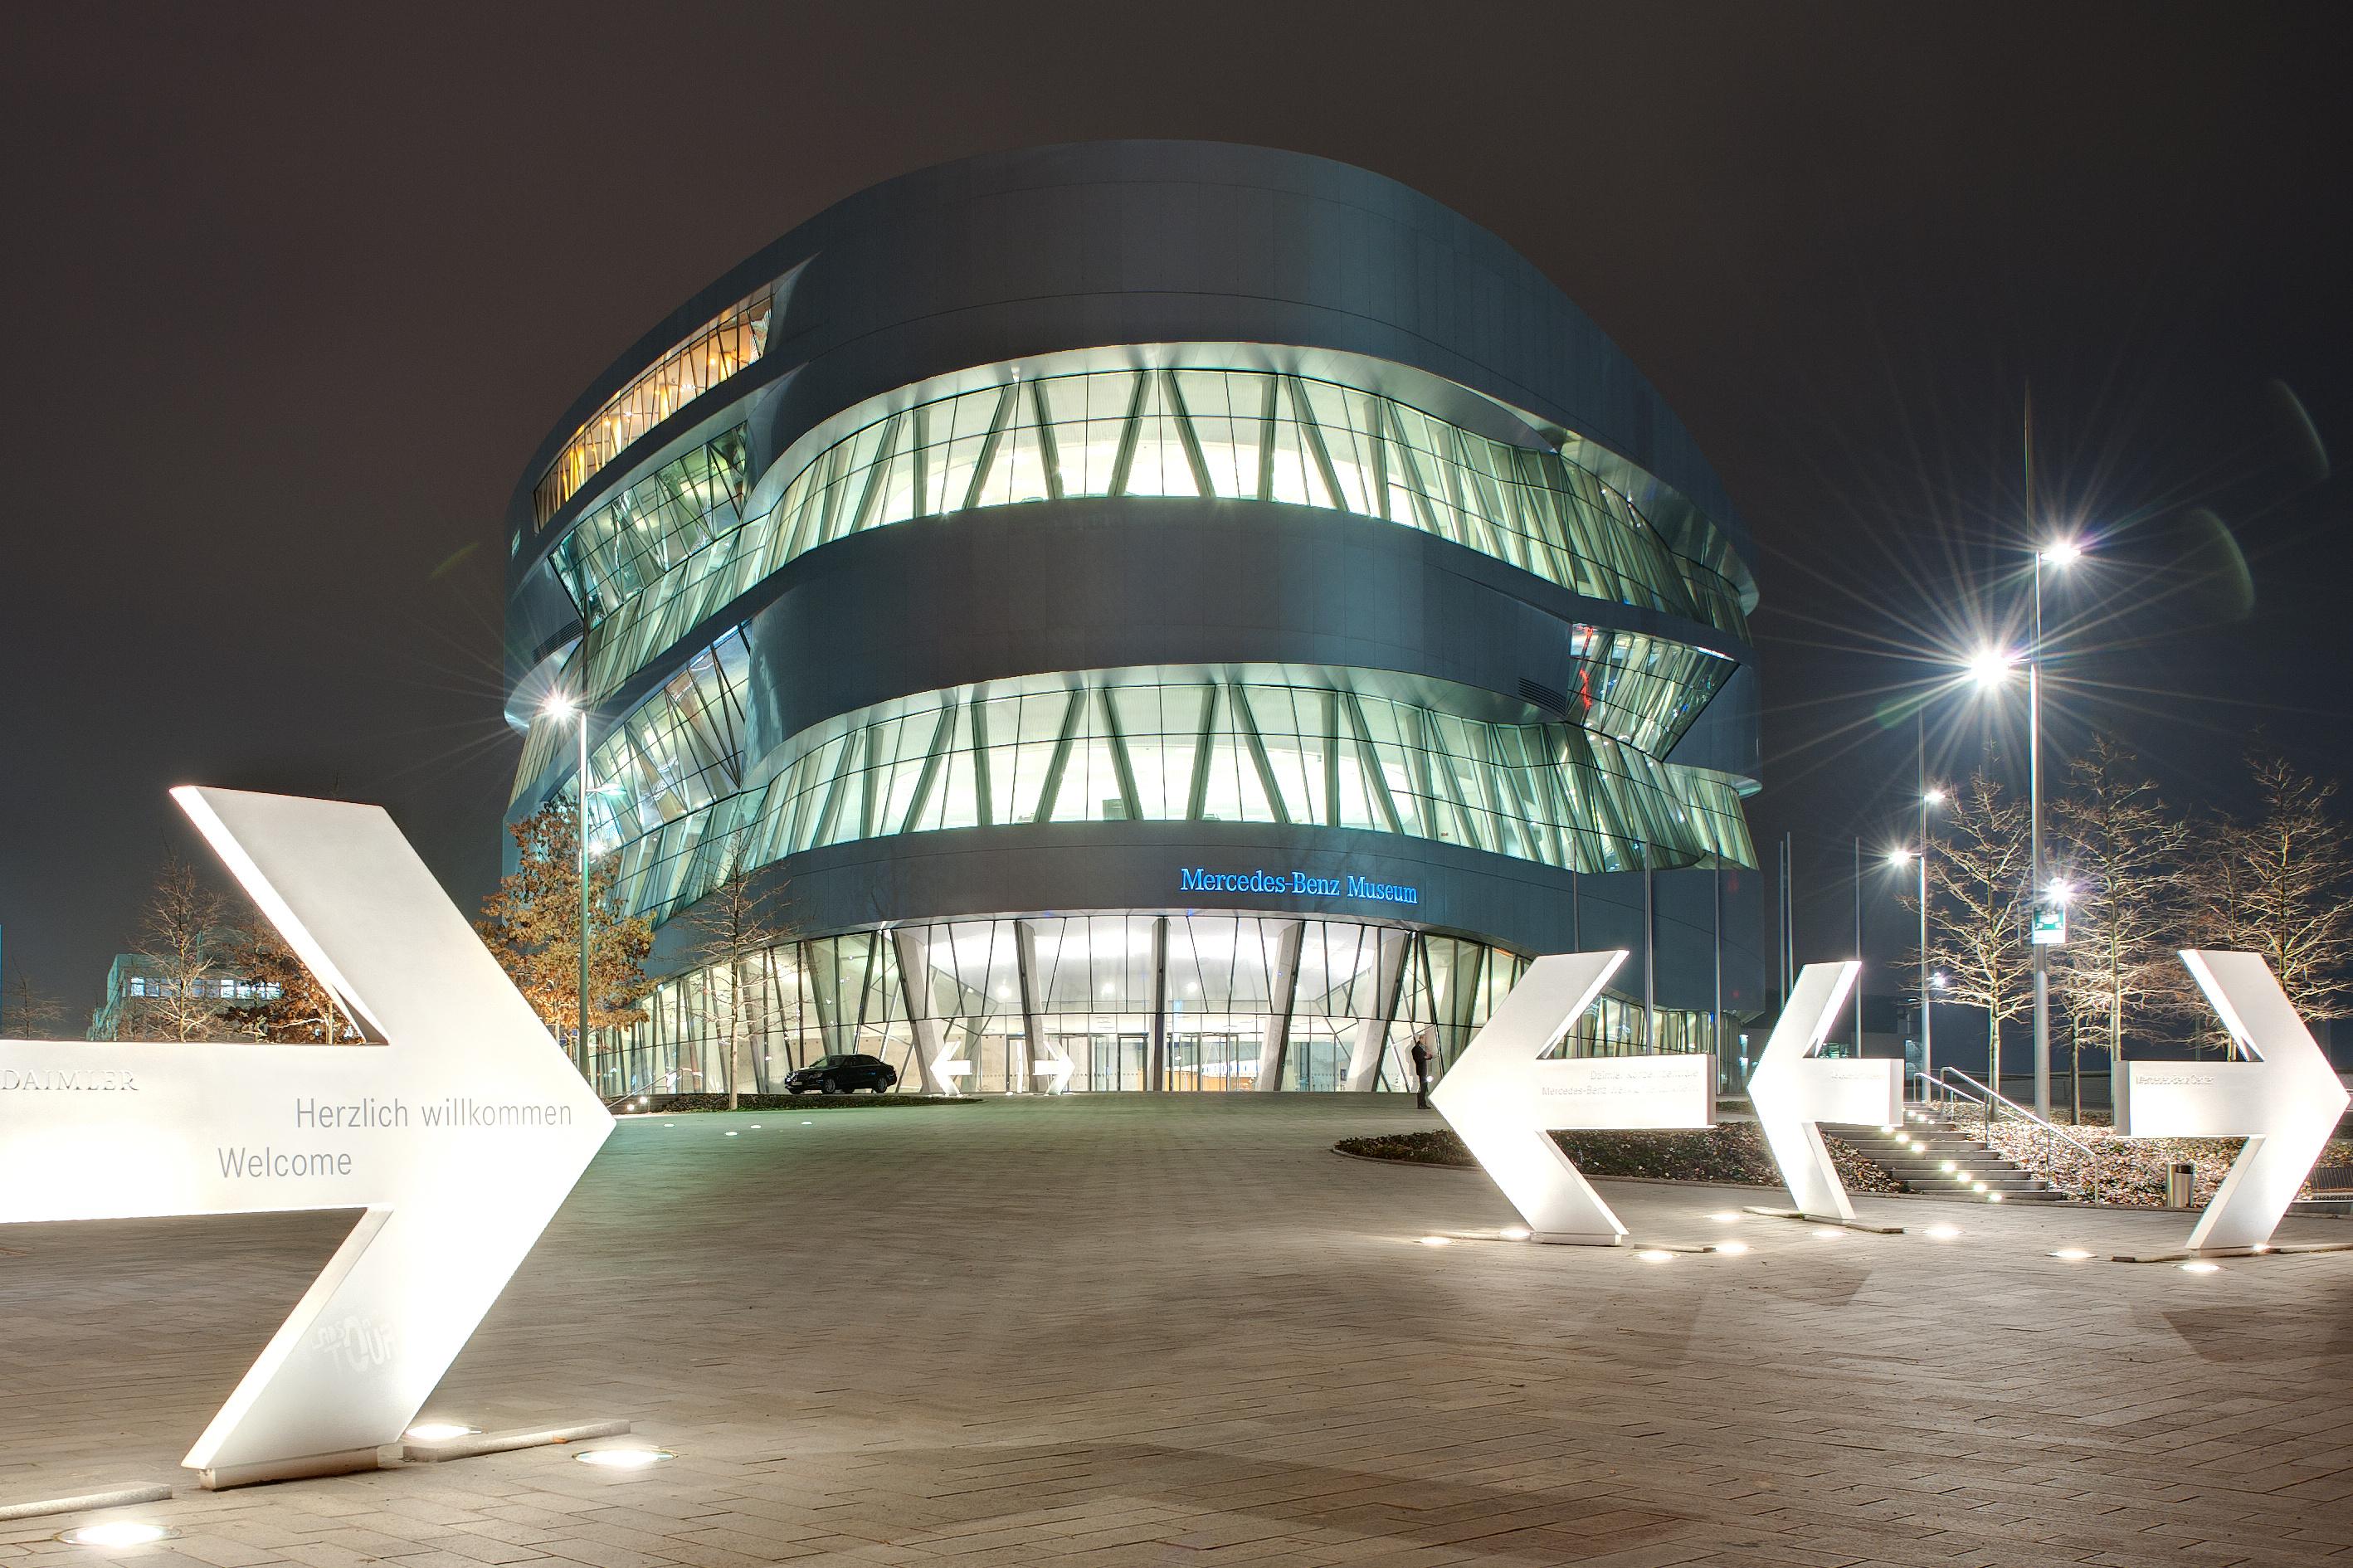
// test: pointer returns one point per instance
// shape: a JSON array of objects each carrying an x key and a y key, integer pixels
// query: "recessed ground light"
[
  {"x": 1826, "y": 1233},
  {"x": 2202, "y": 1267},
  {"x": 755, "y": 1127},
  {"x": 808, "y": 1123},
  {"x": 624, "y": 1459},
  {"x": 1438, "y": 1241},
  {"x": 732, "y": 1133},
  {"x": 2261, "y": 1247},
  {"x": 1944, "y": 1232},
  {"x": 1514, "y": 1232},
  {"x": 117, "y": 1532},
  {"x": 2073, "y": 1254},
  {"x": 1655, "y": 1255},
  {"x": 439, "y": 1431},
  {"x": 1732, "y": 1249},
  {"x": 1724, "y": 1217}
]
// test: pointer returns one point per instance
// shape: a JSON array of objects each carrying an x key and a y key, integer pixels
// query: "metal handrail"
[{"x": 1990, "y": 1096}]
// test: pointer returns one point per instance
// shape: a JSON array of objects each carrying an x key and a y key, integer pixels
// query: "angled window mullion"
[
  {"x": 844, "y": 771},
  {"x": 1266, "y": 442},
  {"x": 1330, "y": 713},
  {"x": 1071, "y": 714},
  {"x": 1129, "y": 430},
  {"x": 1369, "y": 763},
  {"x": 1247, "y": 722},
  {"x": 878, "y": 475},
  {"x": 1312, "y": 434},
  {"x": 919, "y": 455},
  {"x": 1049, "y": 453},
  {"x": 934, "y": 759},
  {"x": 984, "y": 805},
  {"x": 1187, "y": 435},
  {"x": 1131, "y": 801},
  {"x": 1197, "y": 798},
  {"x": 1409, "y": 466},
  {"x": 1006, "y": 401}
]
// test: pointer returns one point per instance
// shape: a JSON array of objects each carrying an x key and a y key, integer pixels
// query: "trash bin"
[{"x": 2180, "y": 1184}]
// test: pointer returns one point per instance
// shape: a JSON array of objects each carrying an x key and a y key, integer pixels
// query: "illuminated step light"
[
  {"x": 2073, "y": 1254},
  {"x": 624, "y": 1459},
  {"x": 1438, "y": 1241},
  {"x": 1655, "y": 1255},
  {"x": 1731, "y": 1248},
  {"x": 117, "y": 1532},
  {"x": 1888, "y": 1129},
  {"x": 1949, "y": 1167},
  {"x": 1944, "y": 1232},
  {"x": 1976, "y": 1186},
  {"x": 2202, "y": 1267},
  {"x": 437, "y": 1431},
  {"x": 1993, "y": 1198}
]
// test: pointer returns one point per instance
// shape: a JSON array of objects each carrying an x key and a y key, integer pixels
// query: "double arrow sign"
[{"x": 458, "y": 1140}]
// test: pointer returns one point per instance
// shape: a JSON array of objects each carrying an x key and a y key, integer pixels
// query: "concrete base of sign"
[
  {"x": 2214, "y": 1252},
  {"x": 118, "y": 1497},
  {"x": 474, "y": 1443},
  {"x": 349, "y": 1461},
  {"x": 1574, "y": 1238},
  {"x": 1827, "y": 1219}
]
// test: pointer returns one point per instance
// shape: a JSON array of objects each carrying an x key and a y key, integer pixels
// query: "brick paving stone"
[{"x": 1118, "y": 1329}]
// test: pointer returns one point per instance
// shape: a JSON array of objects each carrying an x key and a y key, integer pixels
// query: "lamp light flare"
[
  {"x": 1989, "y": 666},
  {"x": 2066, "y": 553},
  {"x": 1899, "y": 856},
  {"x": 559, "y": 706},
  {"x": 1934, "y": 797}
]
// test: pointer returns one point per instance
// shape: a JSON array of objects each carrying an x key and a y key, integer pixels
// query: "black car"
[{"x": 843, "y": 1075}]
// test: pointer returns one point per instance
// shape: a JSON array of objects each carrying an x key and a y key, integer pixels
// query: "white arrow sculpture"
[
  {"x": 1502, "y": 1100},
  {"x": 1793, "y": 1090},
  {"x": 459, "y": 1138},
  {"x": 1056, "y": 1065},
  {"x": 2286, "y": 1101}
]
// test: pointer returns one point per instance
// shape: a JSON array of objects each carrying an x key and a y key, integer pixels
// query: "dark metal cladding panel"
[{"x": 1102, "y": 585}]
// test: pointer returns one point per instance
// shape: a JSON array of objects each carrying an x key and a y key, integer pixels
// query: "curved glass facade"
[
  {"x": 737, "y": 337},
  {"x": 1232, "y": 435},
  {"x": 1144, "y": 745},
  {"x": 1131, "y": 1001}
]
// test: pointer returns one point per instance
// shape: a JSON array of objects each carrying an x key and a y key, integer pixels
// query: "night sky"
[{"x": 293, "y": 294}]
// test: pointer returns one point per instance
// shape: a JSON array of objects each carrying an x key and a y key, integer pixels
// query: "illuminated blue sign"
[{"x": 1293, "y": 884}]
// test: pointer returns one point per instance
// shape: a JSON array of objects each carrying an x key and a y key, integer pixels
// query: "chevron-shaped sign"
[
  {"x": 2285, "y": 1100},
  {"x": 1793, "y": 1091},
  {"x": 458, "y": 1138}
]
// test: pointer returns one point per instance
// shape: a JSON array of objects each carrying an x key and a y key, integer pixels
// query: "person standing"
[{"x": 1421, "y": 1075}]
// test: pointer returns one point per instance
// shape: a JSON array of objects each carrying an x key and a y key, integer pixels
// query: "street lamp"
[
  {"x": 560, "y": 706},
  {"x": 2059, "y": 555}
]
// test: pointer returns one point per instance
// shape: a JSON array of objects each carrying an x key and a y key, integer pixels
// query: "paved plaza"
[{"x": 1120, "y": 1330}]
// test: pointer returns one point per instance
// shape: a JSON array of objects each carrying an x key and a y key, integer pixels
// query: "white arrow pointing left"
[
  {"x": 1503, "y": 1098},
  {"x": 1792, "y": 1089},
  {"x": 459, "y": 1138}
]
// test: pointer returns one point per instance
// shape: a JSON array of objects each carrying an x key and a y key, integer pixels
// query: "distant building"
[{"x": 132, "y": 984}]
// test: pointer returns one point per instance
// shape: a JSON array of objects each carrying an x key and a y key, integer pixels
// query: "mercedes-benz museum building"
[{"x": 1153, "y": 616}]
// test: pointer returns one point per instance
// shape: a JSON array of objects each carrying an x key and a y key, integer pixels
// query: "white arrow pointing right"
[
  {"x": 1501, "y": 1099},
  {"x": 2286, "y": 1101},
  {"x": 458, "y": 1138},
  {"x": 1792, "y": 1089}
]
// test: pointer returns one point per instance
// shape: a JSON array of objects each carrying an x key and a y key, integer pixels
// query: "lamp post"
[
  {"x": 560, "y": 706},
  {"x": 2061, "y": 554}
]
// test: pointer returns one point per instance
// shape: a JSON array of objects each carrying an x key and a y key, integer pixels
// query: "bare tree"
[
  {"x": 1976, "y": 904},
  {"x": 2121, "y": 852},
  {"x": 29, "y": 1013},
  {"x": 2281, "y": 885},
  {"x": 184, "y": 943},
  {"x": 731, "y": 930},
  {"x": 302, "y": 1011}
]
